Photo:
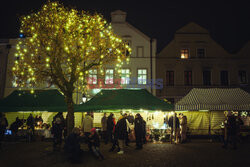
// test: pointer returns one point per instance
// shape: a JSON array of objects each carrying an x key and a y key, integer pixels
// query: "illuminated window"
[
  {"x": 184, "y": 53},
  {"x": 200, "y": 52},
  {"x": 125, "y": 74},
  {"x": 170, "y": 78},
  {"x": 92, "y": 79},
  {"x": 188, "y": 78},
  {"x": 142, "y": 76},
  {"x": 109, "y": 76},
  {"x": 242, "y": 77}
]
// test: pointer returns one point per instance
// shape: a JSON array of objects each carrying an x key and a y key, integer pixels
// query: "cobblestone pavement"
[{"x": 198, "y": 153}]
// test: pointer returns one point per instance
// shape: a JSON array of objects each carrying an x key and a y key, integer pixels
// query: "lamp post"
[{"x": 84, "y": 98}]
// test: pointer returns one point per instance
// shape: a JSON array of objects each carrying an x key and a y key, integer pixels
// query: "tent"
[
  {"x": 42, "y": 100},
  {"x": 117, "y": 99},
  {"x": 206, "y": 107},
  {"x": 218, "y": 99}
]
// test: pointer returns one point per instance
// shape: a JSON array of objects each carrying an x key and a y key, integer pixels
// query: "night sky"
[{"x": 228, "y": 23}]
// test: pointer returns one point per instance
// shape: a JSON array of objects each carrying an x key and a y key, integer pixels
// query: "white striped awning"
[{"x": 215, "y": 99}]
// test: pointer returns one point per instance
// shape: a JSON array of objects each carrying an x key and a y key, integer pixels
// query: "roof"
[
  {"x": 124, "y": 99},
  {"x": 41, "y": 100},
  {"x": 219, "y": 99}
]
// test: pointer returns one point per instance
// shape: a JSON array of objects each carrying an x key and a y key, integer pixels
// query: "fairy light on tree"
[{"x": 61, "y": 45}]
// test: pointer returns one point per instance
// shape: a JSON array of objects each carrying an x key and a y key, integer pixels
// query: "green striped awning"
[{"x": 216, "y": 99}]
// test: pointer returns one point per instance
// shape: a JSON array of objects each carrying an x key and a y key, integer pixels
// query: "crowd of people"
[
  {"x": 178, "y": 127},
  {"x": 119, "y": 133}
]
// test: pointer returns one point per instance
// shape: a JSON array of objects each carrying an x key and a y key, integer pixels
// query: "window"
[
  {"x": 200, "y": 52},
  {"x": 170, "y": 78},
  {"x": 207, "y": 78},
  {"x": 109, "y": 76},
  {"x": 188, "y": 77},
  {"x": 242, "y": 77},
  {"x": 142, "y": 76},
  {"x": 140, "y": 51},
  {"x": 92, "y": 79},
  {"x": 125, "y": 73},
  {"x": 224, "y": 78},
  {"x": 184, "y": 53}
]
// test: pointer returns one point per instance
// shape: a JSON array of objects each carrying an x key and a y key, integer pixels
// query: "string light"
[{"x": 65, "y": 43}]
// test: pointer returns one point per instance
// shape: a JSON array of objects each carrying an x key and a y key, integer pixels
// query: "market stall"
[
  {"x": 205, "y": 108},
  {"x": 44, "y": 103},
  {"x": 130, "y": 101}
]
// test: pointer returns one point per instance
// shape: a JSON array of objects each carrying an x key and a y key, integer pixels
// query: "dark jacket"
[
  {"x": 121, "y": 129},
  {"x": 110, "y": 123},
  {"x": 139, "y": 126},
  {"x": 171, "y": 121},
  {"x": 72, "y": 143}
]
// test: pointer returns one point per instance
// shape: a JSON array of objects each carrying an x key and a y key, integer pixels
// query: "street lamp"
[{"x": 84, "y": 98}]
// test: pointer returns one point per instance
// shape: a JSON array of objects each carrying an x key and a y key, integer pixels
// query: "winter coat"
[
  {"x": 110, "y": 123},
  {"x": 87, "y": 123},
  {"x": 121, "y": 129},
  {"x": 72, "y": 143},
  {"x": 104, "y": 123},
  {"x": 139, "y": 127}
]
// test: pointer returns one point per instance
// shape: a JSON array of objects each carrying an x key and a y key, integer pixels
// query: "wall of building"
[{"x": 216, "y": 59}]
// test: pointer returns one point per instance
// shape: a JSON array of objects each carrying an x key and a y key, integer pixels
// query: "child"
[{"x": 95, "y": 144}]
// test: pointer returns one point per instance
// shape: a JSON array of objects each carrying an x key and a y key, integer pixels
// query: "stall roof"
[
  {"x": 41, "y": 100},
  {"x": 219, "y": 99},
  {"x": 117, "y": 99}
]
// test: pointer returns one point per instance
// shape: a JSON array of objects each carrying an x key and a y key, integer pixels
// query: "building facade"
[
  {"x": 137, "y": 74},
  {"x": 194, "y": 60}
]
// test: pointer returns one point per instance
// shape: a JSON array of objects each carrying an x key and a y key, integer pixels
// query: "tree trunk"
[{"x": 70, "y": 115}]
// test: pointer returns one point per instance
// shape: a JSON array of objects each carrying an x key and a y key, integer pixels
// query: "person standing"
[
  {"x": 57, "y": 129},
  {"x": 110, "y": 127},
  {"x": 175, "y": 128},
  {"x": 104, "y": 128},
  {"x": 3, "y": 125},
  {"x": 230, "y": 131},
  {"x": 183, "y": 127},
  {"x": 139, "y": 131},
  {"x": 72, "y": 146},
  {"x": 30, "y": 127},
  {"x": 87, "y": 125},
  {"x": 120, "y": 133}
]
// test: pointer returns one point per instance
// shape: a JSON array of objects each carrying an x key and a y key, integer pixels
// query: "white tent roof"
[{"x": 214, "y": 99}]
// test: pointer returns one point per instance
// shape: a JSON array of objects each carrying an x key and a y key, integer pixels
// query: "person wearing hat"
[{"x": 95, "y": 144}]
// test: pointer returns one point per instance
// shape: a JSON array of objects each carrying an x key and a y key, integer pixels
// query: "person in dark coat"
[
  {"x": 31, "y": 127},
  {"x": 231, "y": 131},
  {"x": 57, "y": 129},
  {"x": 72, "y": 146},
  {"x": 139, "y": 131},
  {"x": 94, "y": 141},
  {"x": 14, "y": 127},
  {"x": 110, "y": 128},
  {"x": 121, "y": 133},
  {"x": 144, "y": 131},
  {"x": 174, "y": 132},
  {"x": 3, "y": 125}
]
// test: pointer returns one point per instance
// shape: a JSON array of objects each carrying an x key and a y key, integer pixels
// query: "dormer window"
[{"x": 185, "y": 53}]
